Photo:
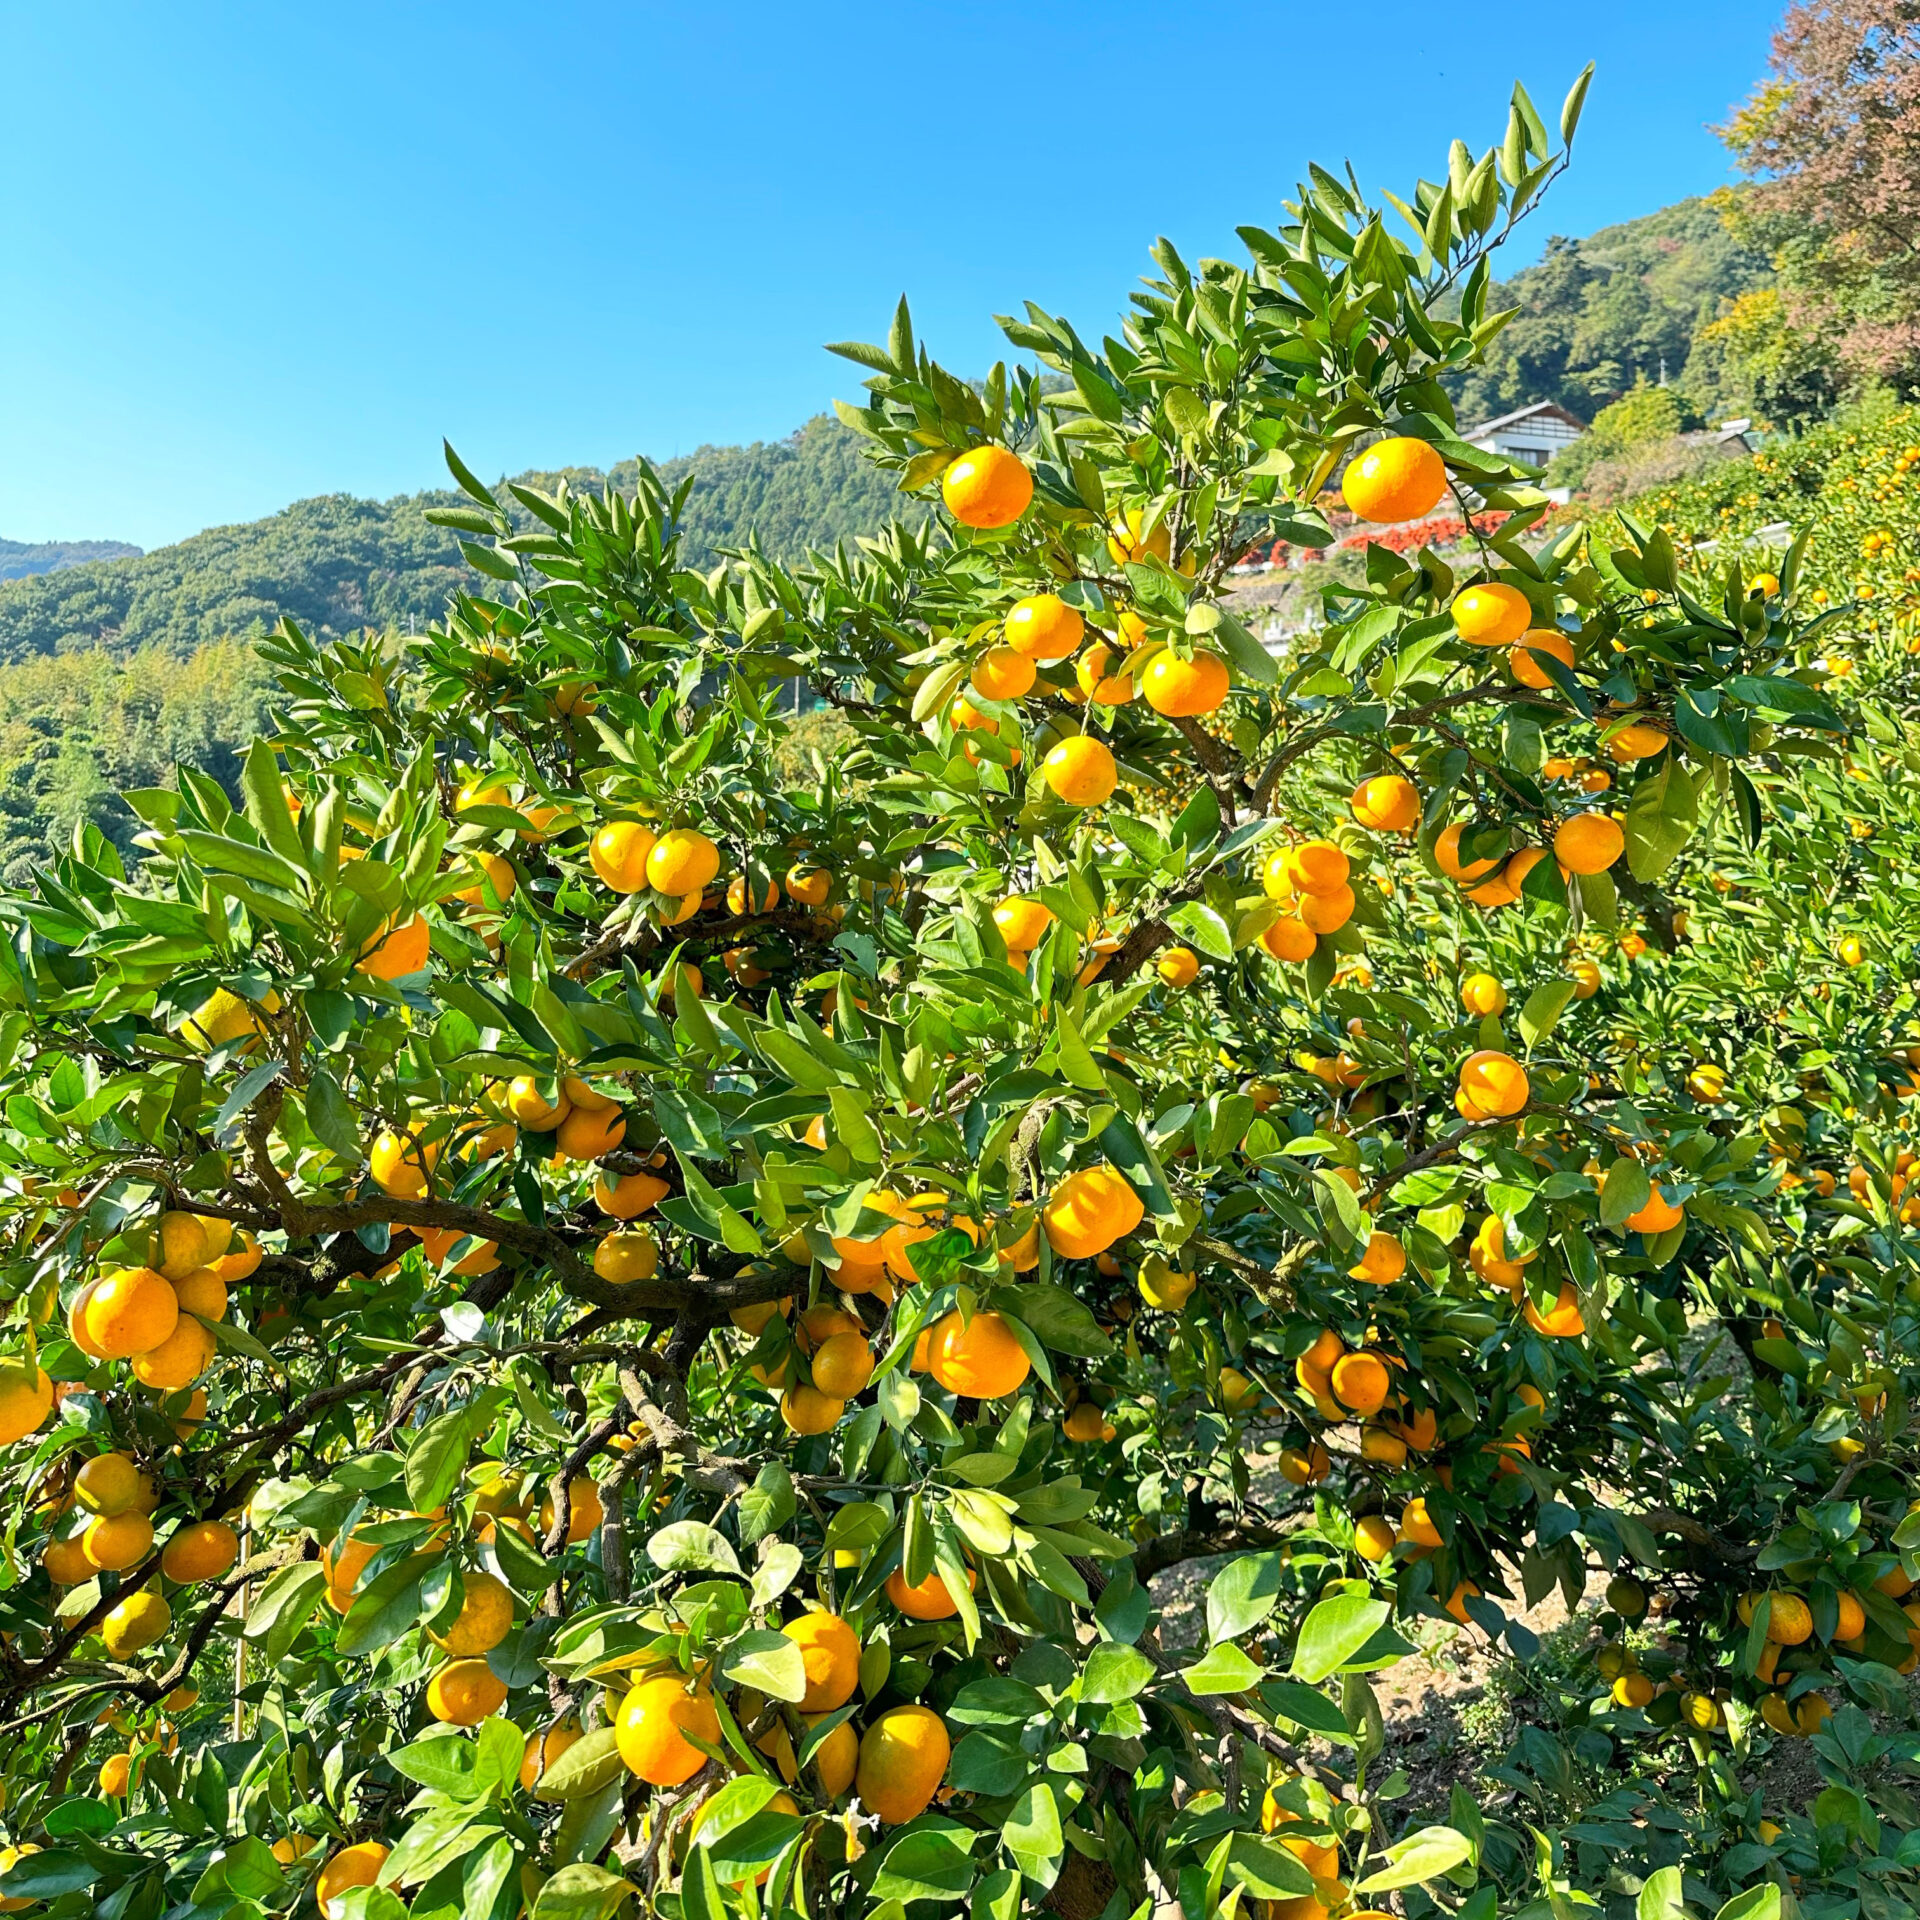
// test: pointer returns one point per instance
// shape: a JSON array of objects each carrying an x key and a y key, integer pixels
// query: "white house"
[{"x": 1531, "y": 436}]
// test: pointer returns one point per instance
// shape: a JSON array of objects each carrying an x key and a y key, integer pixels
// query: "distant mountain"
[
  {"x": 19, "y": 558},
  {"x": 335, "y": 563}
]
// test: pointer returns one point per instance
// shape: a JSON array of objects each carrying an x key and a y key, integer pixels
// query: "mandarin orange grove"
[{"x": 595, "y": 1324}]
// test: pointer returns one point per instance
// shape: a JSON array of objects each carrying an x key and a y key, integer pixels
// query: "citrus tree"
[{"x": 594, "y": 1325}]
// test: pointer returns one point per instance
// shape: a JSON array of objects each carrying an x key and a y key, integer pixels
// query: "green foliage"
[
  {"x": 1641, "y": 417},
  {"x": 77, "y": 730},
  {"x": 404, "y": 1014}
]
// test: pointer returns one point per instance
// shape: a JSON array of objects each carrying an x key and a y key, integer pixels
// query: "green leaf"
[
  {"x": 1545, "y": 1004},
  {"x": 588, "y": 1765},
  {"x": 1242, "y": 1594},
  {"x": 266, "y": 806},
  {"x": 1114, "y": 1672},
  {"x": 769, "y": 1661},
  {"x": 1625, "y": 1190},
  {"x": 692, "y": 1546},
  {"x": 582, "y": 1892},
  {"x": 1245, "y": 655},
  {"x": 1225, "y": 1669},
  {"x": 927, "y": 1864},
  {"x": 1661, "y": 817},
  {"x": 437, "y": 1459},
  {"x": 387, "y": 1607},
  {"x": 1661, "y": 1896},
  {"x": 331, "y": 1119},
  {"x": 1421, "y": 1856},
  {"x": 768, "y": 1504},
  {"x": 289, "y": 1596},
  {"x": 1204, "y": 928},
  {"x": 852, "y": 1129},
  {"x": 1334, "y": 1632},
  {"x": 1031, "y": 1829}
]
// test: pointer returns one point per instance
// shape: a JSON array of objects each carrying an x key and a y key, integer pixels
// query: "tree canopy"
[{"x": 596, "y": 1326}]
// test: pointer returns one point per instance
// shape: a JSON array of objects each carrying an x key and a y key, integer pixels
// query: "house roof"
[{"x": 1539, "y": 410}]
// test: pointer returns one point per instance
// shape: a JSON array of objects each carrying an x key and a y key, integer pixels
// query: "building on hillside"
[{"x": 1531, "y": 436}]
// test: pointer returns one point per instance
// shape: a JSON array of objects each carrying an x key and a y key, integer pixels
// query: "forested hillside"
[
  {"x": 20, "y": 559},
  {"x": 1623, "y": 305},
  {"x": 336, "y": 563}
]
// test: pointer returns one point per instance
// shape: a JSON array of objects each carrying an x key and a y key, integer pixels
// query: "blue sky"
[{"x": 253, "y": 252}]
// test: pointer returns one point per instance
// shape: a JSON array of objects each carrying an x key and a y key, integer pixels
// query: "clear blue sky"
[{"x": 253, "y": 252}]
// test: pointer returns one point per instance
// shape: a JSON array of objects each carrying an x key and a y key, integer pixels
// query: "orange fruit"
[
  {"x": 1494, "y": 1085},
  {"x": 740, "y": 902},
  {"x": 1178, "y": 966},
  {"x": 464, "y": 1692},
  {"x": 618, "y": 853},
  {"x": 201, "y": 1550},
  {"x": 1022, "y": 923},
  {"x": 1317, "y": 866},
  {"x": 831, "y": 1651},
  {"x": 1373, "y": 1537},
  {"x": 1397, "y": 479},
  {"x": 1789, "y": 1620},
  {"x": 1002, "y": 673},
  {"x": 202, "y": 1293},
  {"x": 1043, "y": 627},
  {"x": 1659, "y": 1215},
  {"x": 1388, "y": 803},
  {"x": 1536, "y": 643},
  {"x": 1446, "y": 856},
  {"x": 903, "y": 1759},
  {"x": 26, "y": 1399},
  {"x": 651, "y": 1728},
  {"x": 544, "y": 1748},
  {"x": 682, "y": 862},
  {"x": 1382, "y": 1261},
  {"x": 399, "y": 1166},
  {"x": 1637, "y": 740},
  {"x": 980, "y": 1358},
  {"x": 179, "y": 1360},
  {"x": 1290, "y": 939},
  {"x": 1586, "y": 979},
  {"x": 1089, "y": 1210},
  {"x": 842, "y": 1367},
  {"x": 836, "y": 1758},
  {"x": 585, "y": 1510},
  {"x": 131, "y": 1312},
  {"x": 344, "y": 1570},
  {"x": 116, "y": 1774},
  {"x": 1491, "y": 614},
  {"x": 1482, "y": 994},
  {"x": 1589, "y": 843},
  {"x": 1361, "y": 1381},
  {"x": 1181, "y": 688},
  {"x": 590, "y": 1134},
  {"x": 494, "y": 873},
  {"x": 1563, "y": 1320},
  {"x": 625, "y": 1196},
  {"x": 484, "y": 1620},
  {"x": 807, "y": 1410},
  {"x": 394, "y": 952},
  {"x": 808, "y": 886},
  {"x": 1086, "y": 1423},
  {"x": 1326, "y": 912},
  {"x": 1094, "y": 674},
  {"x": 1081, "y": 771},
  {"x": 356, "y": 1866},
  {"x": 930, "y": 1599},
  {"x": 626, "y": 1255},
  {"x": 115, "y": 1542},
  {"x": 987, "y": 487}
]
